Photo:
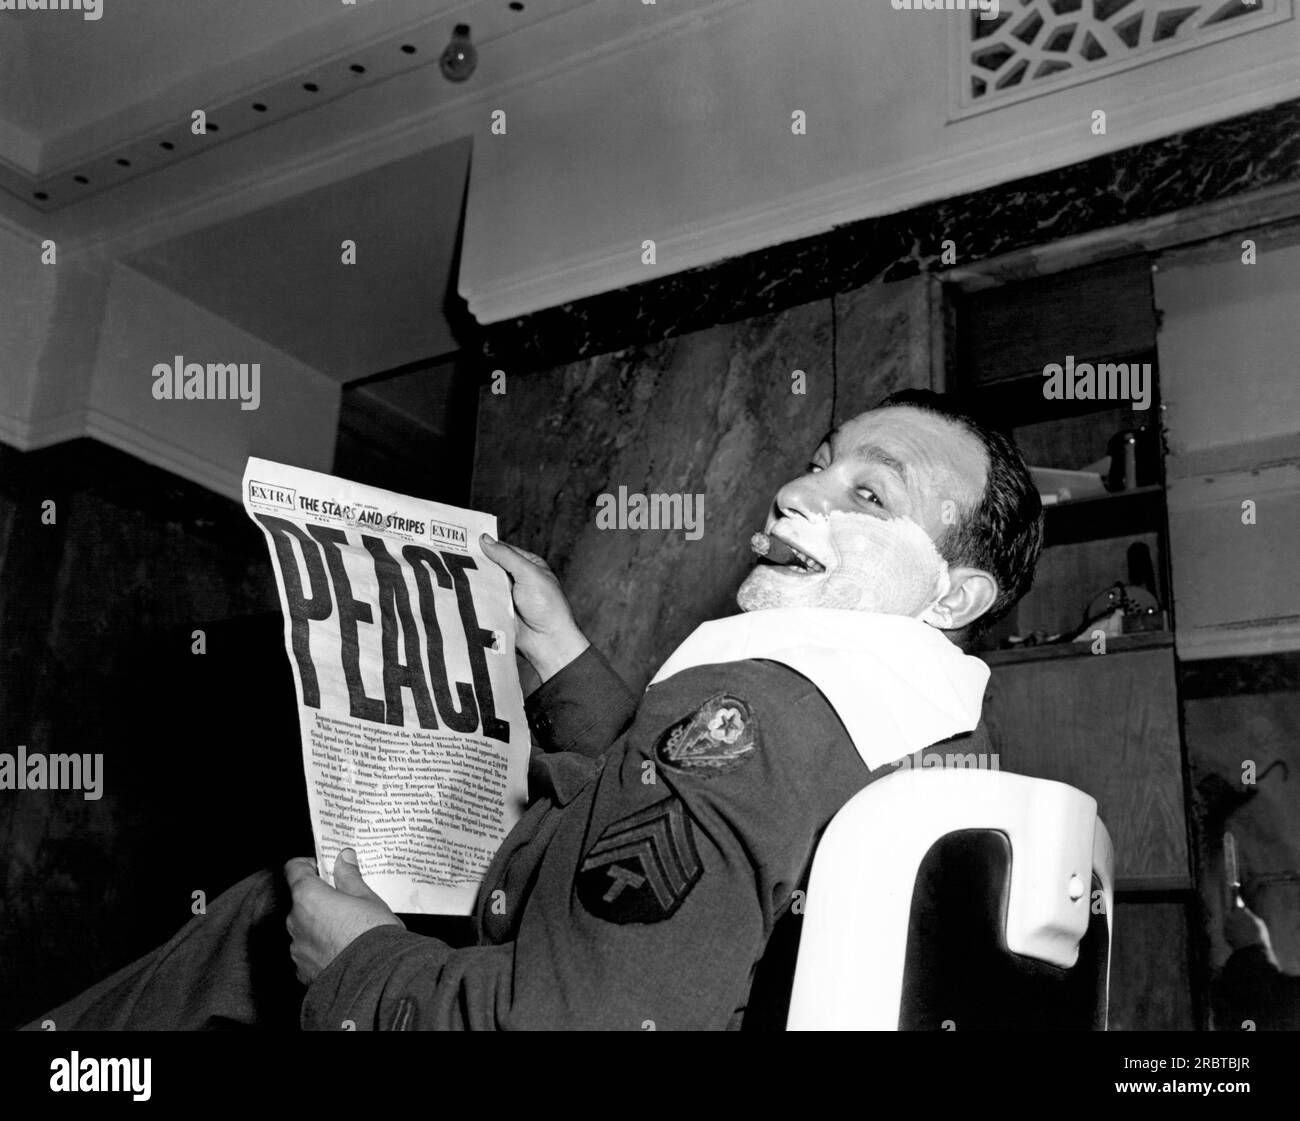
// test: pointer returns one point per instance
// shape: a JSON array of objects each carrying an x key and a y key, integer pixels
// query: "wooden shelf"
[
  {"x": 1112, "y": 728},
  {"x": 1146, "y": 640},
  {"x": 1124, "y": 513}
]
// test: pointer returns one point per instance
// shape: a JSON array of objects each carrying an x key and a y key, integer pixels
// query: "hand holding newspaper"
[{"x": 401, "y": 634}]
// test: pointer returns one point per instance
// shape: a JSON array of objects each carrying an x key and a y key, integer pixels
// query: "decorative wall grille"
[{"x": 1039, "y": 46}]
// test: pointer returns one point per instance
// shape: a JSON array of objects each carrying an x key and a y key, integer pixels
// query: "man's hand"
[
  {"x": 326, "y": 920},
  {"x": 1242, "y": 928},
  {"x": 545, "y": 631}
]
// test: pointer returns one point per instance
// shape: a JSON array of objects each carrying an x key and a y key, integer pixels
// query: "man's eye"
[
  {"x": 813, "y": 468},
  {"x": 869, "y": 495}
]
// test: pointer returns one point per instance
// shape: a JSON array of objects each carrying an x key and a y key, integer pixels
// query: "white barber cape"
[{"x": 897, "y": 684}]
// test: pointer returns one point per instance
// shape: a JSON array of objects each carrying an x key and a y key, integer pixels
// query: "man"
[
  {"x": 666, "y": 839},
  {"x": 1252, "y": 991}
]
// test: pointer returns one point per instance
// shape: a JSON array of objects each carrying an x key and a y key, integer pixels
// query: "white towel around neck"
[{"x": 898, "y": 685}]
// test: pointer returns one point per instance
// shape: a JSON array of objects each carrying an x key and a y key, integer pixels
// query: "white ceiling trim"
[
  {"x": 309, "y": 49},
  {"x": 44, "y": 432},
  {"x": 20, "y": 151},
  {"x": 153, "y": 448},
  {"x": 16, "y": 229}
]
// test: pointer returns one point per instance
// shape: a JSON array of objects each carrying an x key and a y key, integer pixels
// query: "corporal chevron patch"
[
  {"x": 717, "y": 737},
  {"x": 641, "y": 867}
]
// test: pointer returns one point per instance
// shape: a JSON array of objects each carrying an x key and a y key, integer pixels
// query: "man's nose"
[{"x": 806, "y": 497}]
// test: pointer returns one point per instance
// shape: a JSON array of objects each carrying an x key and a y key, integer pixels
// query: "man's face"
[{"x": 891, "y": 463}]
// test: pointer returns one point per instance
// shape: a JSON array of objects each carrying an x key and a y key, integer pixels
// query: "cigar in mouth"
[{"x": 771, "y": 548}]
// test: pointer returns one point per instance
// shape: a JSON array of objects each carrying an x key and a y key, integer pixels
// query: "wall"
[
  {"x": 98, "y": 610},
  {"x": 708, "y": 413}
]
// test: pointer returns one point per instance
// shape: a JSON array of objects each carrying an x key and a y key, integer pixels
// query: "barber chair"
[{"x": 961, "y": 900}]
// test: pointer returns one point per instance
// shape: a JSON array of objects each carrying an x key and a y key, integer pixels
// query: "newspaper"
[{"x": 401, "y": 635}]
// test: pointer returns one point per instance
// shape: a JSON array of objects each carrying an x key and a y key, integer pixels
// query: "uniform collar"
[{"x": 897, "y": 684}]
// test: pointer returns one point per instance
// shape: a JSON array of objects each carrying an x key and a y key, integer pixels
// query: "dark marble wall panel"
[
  {"x": 887, "y": 337},
  {"x": 709, "y": 413},
  {"x": 95, "y": 612}
]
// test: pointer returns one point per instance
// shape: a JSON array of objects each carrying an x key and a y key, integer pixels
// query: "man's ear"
[{"x": 970, "y": 594}]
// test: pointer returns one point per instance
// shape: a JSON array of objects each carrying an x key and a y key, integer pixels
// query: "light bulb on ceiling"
[{"x": 460, "y": 56}]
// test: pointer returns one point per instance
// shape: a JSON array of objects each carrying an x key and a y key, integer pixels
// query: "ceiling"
[
  {"x": 279, "y": 274},
  {"x": 137, "y": 49},
  {"x": 73, "y": 87},
  {"x": 247, "y": 219},
  {"x": 88, "y": 106}
]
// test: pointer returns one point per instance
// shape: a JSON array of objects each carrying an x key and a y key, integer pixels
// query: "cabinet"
[
  {"x": 1107, "y": 724},
  {"x": 1106, "y": 718}
]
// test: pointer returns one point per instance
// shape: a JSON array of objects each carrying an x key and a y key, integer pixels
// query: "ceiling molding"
[
  {"x": 15, "y": 229},
  {"x": 20, "y": 152},
  {"x": 167, "y": 137},
  {"x": 14, "y": 432},
  {"x": 158, "y": 136},
  {"x": 44, "y": 432},
  {"x": 536, "y": 53},
  {"x": 310, "y": 49},
  {"x": 269, "y": 184},
  {"x": 155, "y": 449}
]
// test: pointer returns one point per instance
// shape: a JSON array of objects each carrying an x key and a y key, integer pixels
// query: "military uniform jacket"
[{"x": 662, "y": 843}]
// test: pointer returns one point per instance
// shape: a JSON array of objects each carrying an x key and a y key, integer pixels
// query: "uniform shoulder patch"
[
  {"x": 717, "y": 737},
  {"x": 642, "y": 866}
]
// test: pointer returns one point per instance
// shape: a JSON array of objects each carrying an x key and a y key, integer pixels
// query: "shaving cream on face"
[{"x": 885, "y": 565}]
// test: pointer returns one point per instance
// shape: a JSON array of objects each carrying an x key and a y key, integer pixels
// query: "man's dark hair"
[{"x": 1003, "y": 532}]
